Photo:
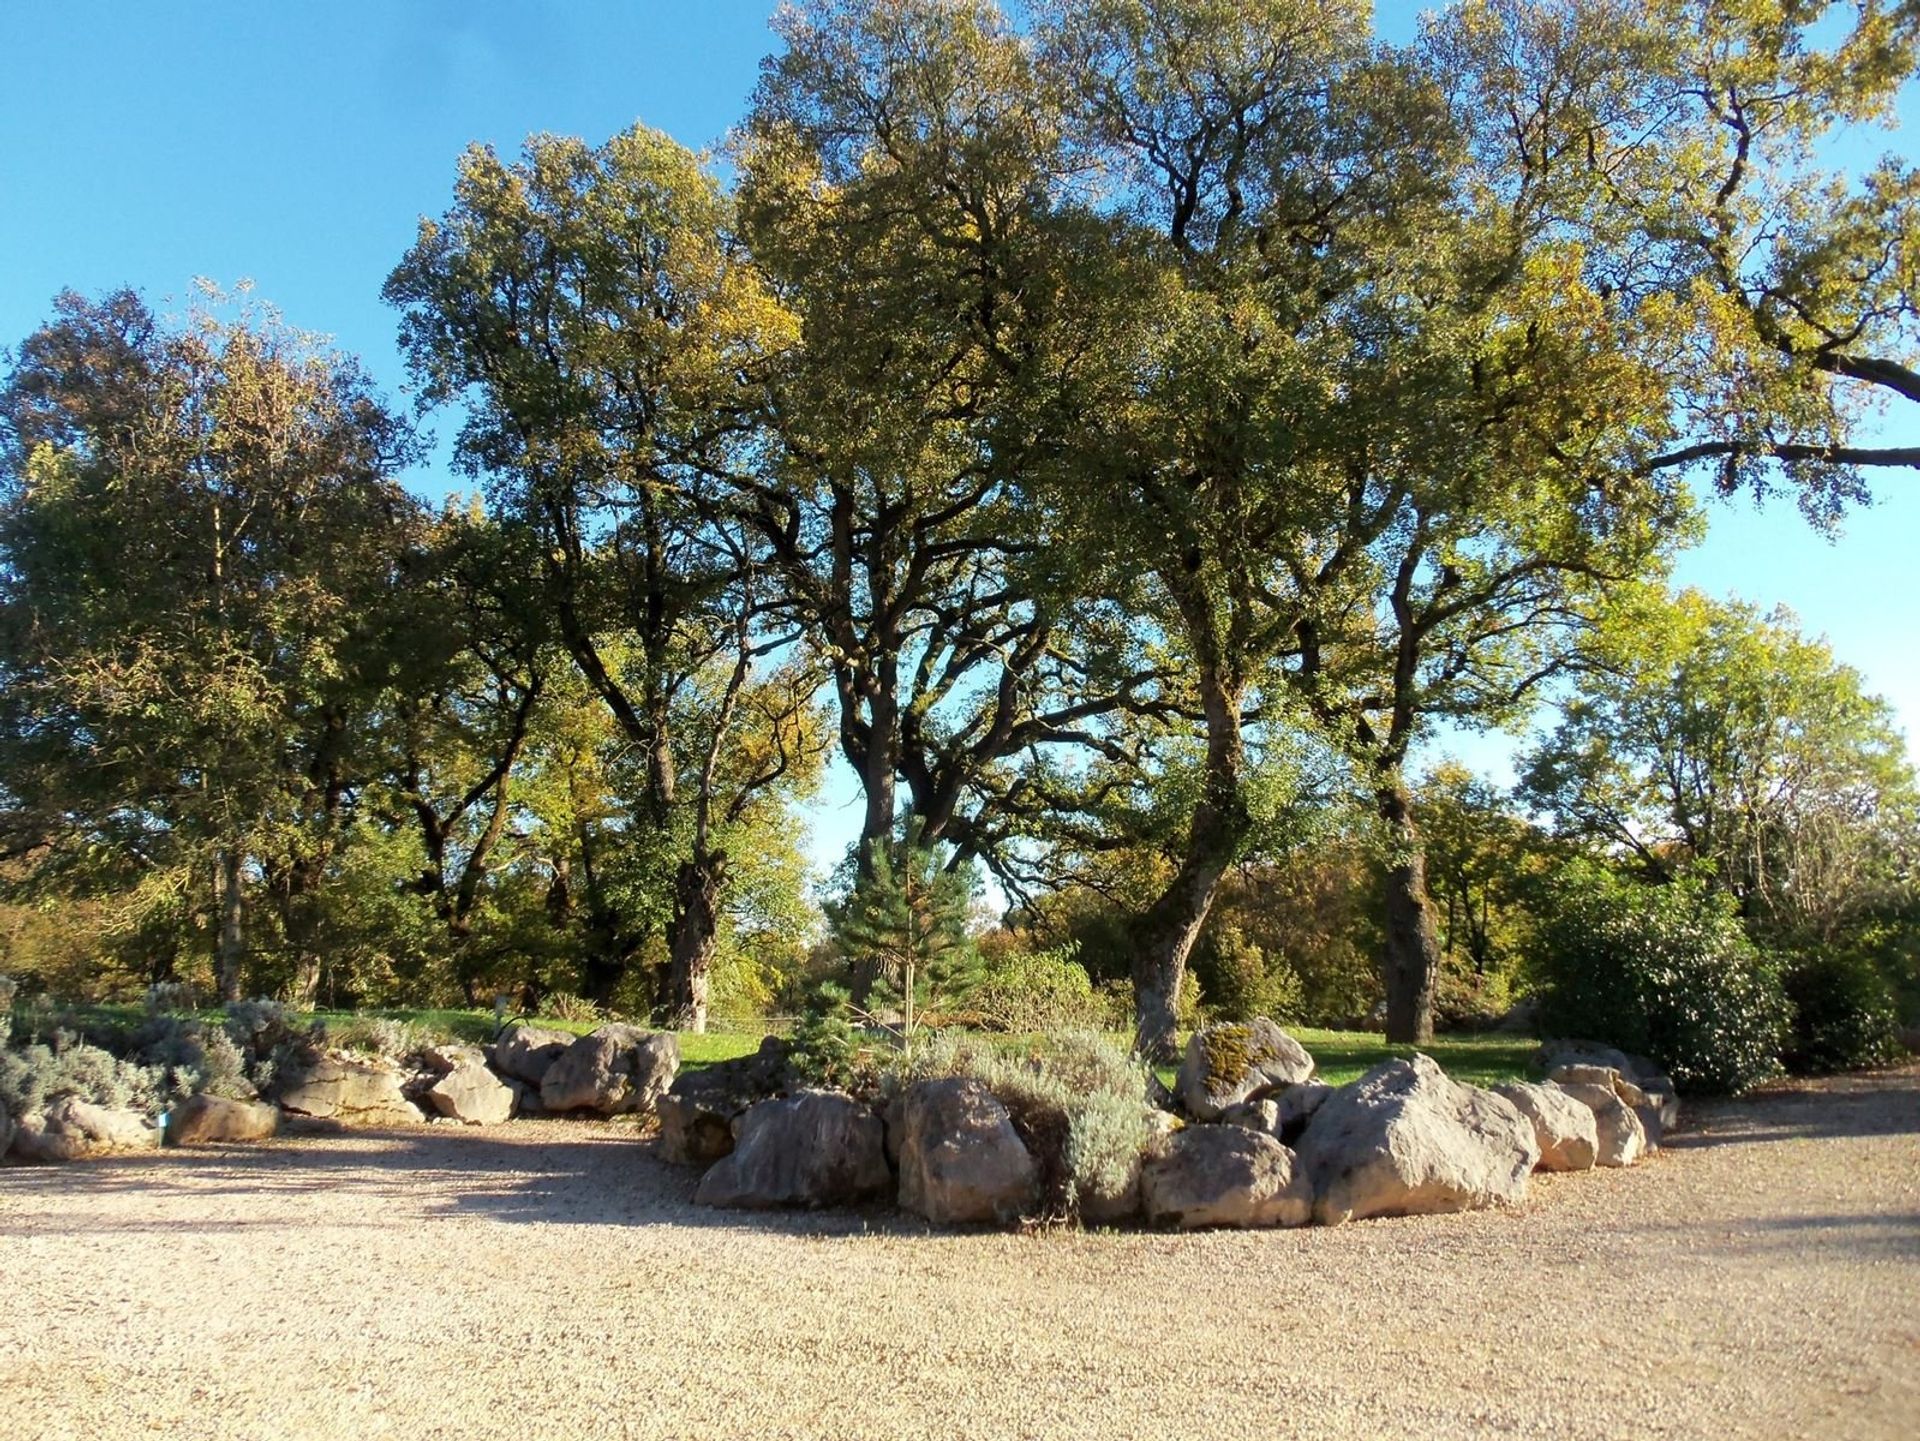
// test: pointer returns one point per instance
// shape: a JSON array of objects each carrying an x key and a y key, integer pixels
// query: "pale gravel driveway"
[{"x": 550, "y": 1281}]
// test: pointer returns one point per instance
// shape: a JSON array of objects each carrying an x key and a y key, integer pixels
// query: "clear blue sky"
[{"x": 296, "y": 144}]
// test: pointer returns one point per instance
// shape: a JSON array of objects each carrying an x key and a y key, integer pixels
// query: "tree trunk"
[
  {"x": 1167, "y": 935},
  {"x": 233, "y": 943},
  {"x": 1412, "y": 959},
  {"x": 1215, "y": 836},
  {"x": 696, "y": 904}
]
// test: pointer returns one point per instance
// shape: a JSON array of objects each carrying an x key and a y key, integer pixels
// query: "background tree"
[
  {"x": 1709, "y": 736},
  {"x": 590, "y": 307},
  {"x": 897, "y": 164},
  {"x": 199, "y": 521}
]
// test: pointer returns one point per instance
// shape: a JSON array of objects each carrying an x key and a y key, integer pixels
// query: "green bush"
[
  {"x": 1844, "y": 1016},
  {"x": 1027, "y": 992},
  {"x": 1664, "y": 971},
  {"x": 827, "y": 1049}
]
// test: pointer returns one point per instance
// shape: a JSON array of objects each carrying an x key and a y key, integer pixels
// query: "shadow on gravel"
[
  {"x": 1883, "y": 1104},
  {"x": 1860, "y": 1237},
  {"x": 596, "y": 1180}
]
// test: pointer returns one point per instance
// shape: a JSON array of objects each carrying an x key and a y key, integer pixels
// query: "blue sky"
[{"x": 297, "y": 144}]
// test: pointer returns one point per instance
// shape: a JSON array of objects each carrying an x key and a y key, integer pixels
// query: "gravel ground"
[{"x": 1760, "y": 1277}]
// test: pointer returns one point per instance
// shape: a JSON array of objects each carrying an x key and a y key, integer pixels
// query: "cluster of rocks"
[
  {"x": 1247, "y": 1136},
  {"x": 1257, "y": 1140},
  {"x": 615, "y": 1070}
]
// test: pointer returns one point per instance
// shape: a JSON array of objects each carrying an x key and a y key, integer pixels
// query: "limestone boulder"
[
  {"x": 1297, "y": 1106},
  {"x": 1620, "y": 1136},
  {"x": 960, "y": 1158},
  {"x": 1260, "y": 1115},
  {"x": 614, "y": 1071},
  {"x": 1234, "y": 1062},
  {"x": 444, "y": 1060},
  {"x": 472, "y": 1094},
  {"x": 1563, "y": 1127},
  {"x": 204, "y": 1120},
  {"x": 1406, "y": 1140},
  {"x": 1224, "y": 1175},
  {"x": 1635, "y": 1079},
  {"x": 75, "y": 1130},
  {"x": 699, "y": 1109},
  {"x": 1656, "y": 1109},
  {"x": 523, "y": 1052},
  {"x": 1554, "y": 1054},
  {"x": 350, "y": 1093},
  {"x": 815, "y": 1148}
]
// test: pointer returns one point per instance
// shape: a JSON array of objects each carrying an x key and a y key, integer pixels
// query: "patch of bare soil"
[{"x": 1760, "y": 1277}]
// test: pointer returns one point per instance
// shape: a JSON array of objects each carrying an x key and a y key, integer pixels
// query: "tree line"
[{"x": 1124, "y": 431}]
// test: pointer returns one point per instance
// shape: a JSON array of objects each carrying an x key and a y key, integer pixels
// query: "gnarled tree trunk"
[{"x": 696, "y": 904}]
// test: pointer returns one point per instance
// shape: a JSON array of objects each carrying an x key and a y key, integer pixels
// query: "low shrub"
[
  {"x": 1665, "y": 971},
  {"x": 1844, "y": 1016},
  {"x": 33, "y": 1078},
  {"x": 565, "y": 1006},
  {"x": 379, "y": 1037},
  {"x": 1078, "y": 1102}
]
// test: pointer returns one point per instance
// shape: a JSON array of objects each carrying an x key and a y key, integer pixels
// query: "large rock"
[
  {"x": 1620, "y": 1136},
  {"x": 75, "y": 1130},
  {"x": 1224, "y": 1176},
  {"x": 473, "y": 1094},
  {"x": 1407, "y": 1140},
  {"x": 352, "y": 1093},
  {"x": 1554, "y": 1054},
  {"x": 1239, "y": 1061},
  {"x": 525, "y": 1052},
  {"x": 1563, "y": 1127},
  {"x": 444, "y": 1060},
  {"x": 700, "y": 1107},
  {"x": 614, "y": 1071},
  {"x": 1635, "y": 1079},
  {"x": 817, "y": 1148},
  {"x": 204, "y": 1120},
  {"x": 1652, "y": 1107},
  {"x": 960, "y": 1158}
]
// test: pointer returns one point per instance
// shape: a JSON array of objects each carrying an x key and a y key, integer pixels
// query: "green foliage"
[
  {"x": 1844, "y": 1016},
  {"x": 1026, "y": 991},
  {"x": 1239, "y": 980},
  {"x": 380, "y": 1037},
  {"x": 1710, "y": 735},
  {"x": 905, "y": 923},
  {"x": 1664, "y": 971},
  {"x": 827, "y": 1049}
]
